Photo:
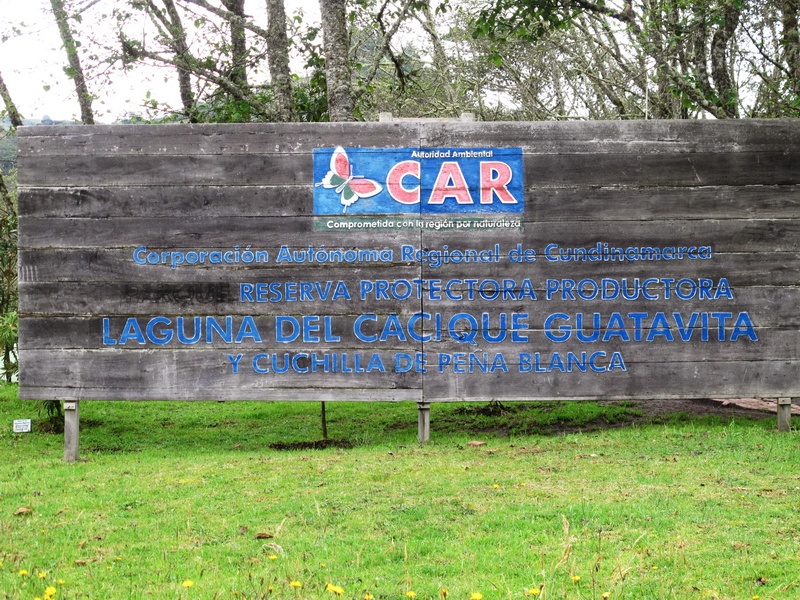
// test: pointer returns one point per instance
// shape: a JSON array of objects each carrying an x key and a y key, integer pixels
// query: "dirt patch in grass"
[
  {"x": 747, "y": 408},
  {"x": 558, "y": 418},
  {"x": 314, "y": 445}
]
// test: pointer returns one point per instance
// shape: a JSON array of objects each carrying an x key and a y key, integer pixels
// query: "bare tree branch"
[
  {"x": 11, "y": 108},
  {"x": 383, "y": 48}
]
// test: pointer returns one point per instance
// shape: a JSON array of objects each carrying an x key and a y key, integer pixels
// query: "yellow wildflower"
[
  {"x": 443, "y": 593},
  {"x": 23, "y": 572},
  {"x": 605, "y": 595},
  {"x": 61, "y": 582},
  {"x": 534, "y": 591},
  {"x": 50, "y": 591},
  {"x": 410, "y": 594},
  {"x": 369, "y": 596},
  {"x": 188, "y": 583},
  {"x": 476, "y": 596},
  {"x": 273, "y": 557},
  {"x": 576, "y": 578},
  {"x": 495, "y": 485},
  {"x": 334, "y": 589},
  {"x": 42, "y": 574},
  {"x": 295, "y": 584}
]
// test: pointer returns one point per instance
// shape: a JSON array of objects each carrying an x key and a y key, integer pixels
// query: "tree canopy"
[{"x": 247, "y": 60}]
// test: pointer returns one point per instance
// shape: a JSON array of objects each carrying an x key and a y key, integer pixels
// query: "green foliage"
[
  {"x": 8, "y": 145},
  {"x": 223, "y": 108},
  {"x": 9, "y": 336},
  {"x": 310, "y": 92},
  {"x": 9, "y": 294},
  {"x": 526, "y": 20}
]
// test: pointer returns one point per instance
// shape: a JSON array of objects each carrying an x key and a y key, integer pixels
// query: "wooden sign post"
[{"x": 396, "y": 261}]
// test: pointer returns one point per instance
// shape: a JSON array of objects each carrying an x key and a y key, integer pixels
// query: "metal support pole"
[
  {"x": 423, "y": 422},
  {"x": 71, "y": 431},
  {"x": 784, "y": 414}
]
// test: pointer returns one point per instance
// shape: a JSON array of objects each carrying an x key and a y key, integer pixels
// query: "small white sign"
[{"x": 22, "y": 425}]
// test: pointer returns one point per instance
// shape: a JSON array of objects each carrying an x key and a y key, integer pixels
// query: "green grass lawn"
[{"x": 179, "y": 493}]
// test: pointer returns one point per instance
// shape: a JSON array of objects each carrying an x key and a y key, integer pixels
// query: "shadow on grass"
[{"x": 128, "y": 427}]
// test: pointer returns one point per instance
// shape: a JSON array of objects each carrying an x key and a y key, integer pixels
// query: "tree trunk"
[
  {"x": 183, "y": 59},
  {"x": 440, "y": 60},
  {"x": 337, "y": 60},
  {"x": 11, "y": 108},
  {"x": 238, "y": 43},
  {"x": 74, "y": 70},
  {"x": 278, "y": 59},
  {"x": 720, "y": 70},
  {"x": 791, "y": 43}
]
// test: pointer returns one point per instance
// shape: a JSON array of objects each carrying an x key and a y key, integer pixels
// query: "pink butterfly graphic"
[{"x": 351, "y": 187}]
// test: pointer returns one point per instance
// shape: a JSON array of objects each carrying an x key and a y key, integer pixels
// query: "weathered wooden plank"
[
  {"x": 269, "y": 233},
  {"x": 661, "y": 203},
  {"x": 768, "y": 305},
  {"x": 771, "y": 345},
  {"x": 203, "y": 374},
  {"x": 656, "y": 136},
  {"x": 262, "y": 394},
  {"x": 541, "y": 205},
  {"x": 543, "y": 170},
  {"x": 642, "y": 380},
  {"x": 162, "y": 233},
  {"x": 633, "y": 295},
  {"x": 125, "y": 170},
  {"x": 740, "y": 269},
  {"x": 180, "y": 298},
  {"x": 746, "y": 235},
  {"x": 216, "y": 139},
  {"x": 208, "y": 202},
  {"x": 544, "y": 137},
  {"x": 117, "y": 265},
  {"x": 740, "y": 168},
  {"x": 75, "y": 333},
  {"x": 318, "y": 333},
  {"x": 729, "y": 186}
]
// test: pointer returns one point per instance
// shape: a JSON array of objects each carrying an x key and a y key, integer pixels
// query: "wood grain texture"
[
  {"x": 116, "y": 265},
  {"x": 544, "y": 170},
  {"x": 75, "y": 333},
  {"x": 91, "y": 196},
  {"x": 658, "y": 136},
  {"x": 762, "y": 379},
  {"x": 199, "y": 375},
  {"x": 541, "y": 205},
  {"x": 270, "y": 233}
]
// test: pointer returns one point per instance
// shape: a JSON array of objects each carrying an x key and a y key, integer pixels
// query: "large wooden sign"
[{"x": 403, "y": 261}]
